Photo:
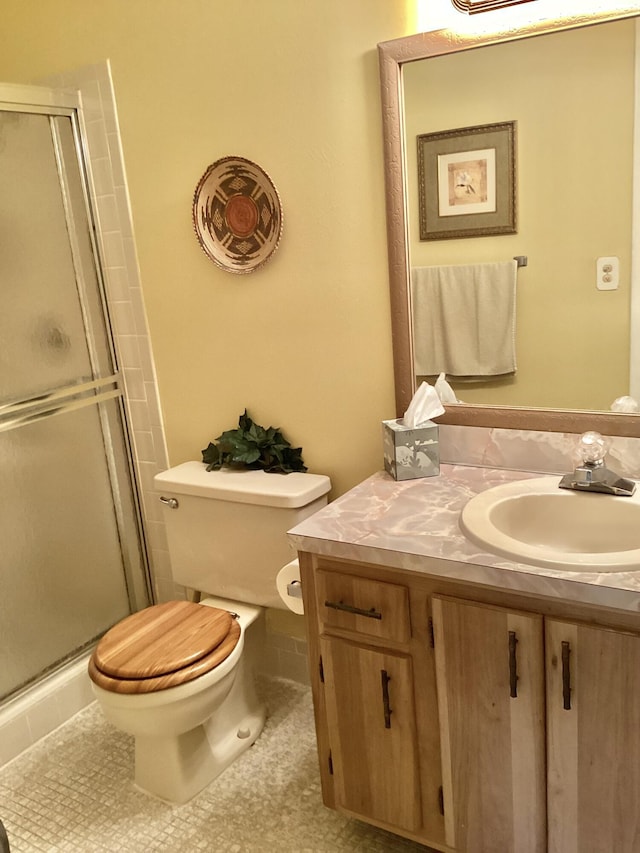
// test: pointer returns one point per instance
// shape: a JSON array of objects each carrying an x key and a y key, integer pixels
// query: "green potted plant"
[{"x": 254, "y": 447}]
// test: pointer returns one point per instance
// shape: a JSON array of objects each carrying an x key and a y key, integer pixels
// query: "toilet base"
[{"x": 176, "y": 768}]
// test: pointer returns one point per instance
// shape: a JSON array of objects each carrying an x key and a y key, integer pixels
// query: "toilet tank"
[{"x": 227, "y": 529}]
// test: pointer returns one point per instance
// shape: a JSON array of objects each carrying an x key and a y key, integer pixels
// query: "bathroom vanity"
[{"x": 462, "y": 700}]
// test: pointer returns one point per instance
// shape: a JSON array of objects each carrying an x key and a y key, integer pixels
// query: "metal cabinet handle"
[
  {"x": 385, "y": 678},
  {"x": 358, "y": 611},
  {"x": 513, "y": 665},
  {"x": 566, "y": 676}
]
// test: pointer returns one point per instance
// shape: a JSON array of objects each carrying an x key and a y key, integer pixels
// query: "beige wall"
[
  {"x": 572, "y": 96},
  {"x": 303, "y": 343}
]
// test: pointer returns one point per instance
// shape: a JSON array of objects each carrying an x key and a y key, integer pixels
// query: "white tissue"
[
  {"x": 425, "y": 405},
  {"x": 445, "y": 391},
  {"x": 625, "y": 404}
]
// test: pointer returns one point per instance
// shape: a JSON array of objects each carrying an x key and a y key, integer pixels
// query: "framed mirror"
[{"x": 441, "y": 81}]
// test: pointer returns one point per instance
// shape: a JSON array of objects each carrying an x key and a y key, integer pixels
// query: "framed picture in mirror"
[{"x": 467, "y": 182}]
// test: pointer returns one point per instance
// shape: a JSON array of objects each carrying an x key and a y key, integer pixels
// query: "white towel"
[{"x": 464, "y": 319}]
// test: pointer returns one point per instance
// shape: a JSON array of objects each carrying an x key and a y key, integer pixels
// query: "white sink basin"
[{"x": 534, "y": 521}]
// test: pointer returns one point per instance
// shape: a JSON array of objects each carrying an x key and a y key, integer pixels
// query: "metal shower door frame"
[{"x": 66, "y": 104}]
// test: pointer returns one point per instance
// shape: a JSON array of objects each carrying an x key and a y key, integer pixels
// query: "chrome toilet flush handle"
[{"x": 172, "y": 503}]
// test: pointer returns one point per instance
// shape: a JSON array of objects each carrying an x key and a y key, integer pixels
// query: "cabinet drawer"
[{"x": 374, "y": 608}]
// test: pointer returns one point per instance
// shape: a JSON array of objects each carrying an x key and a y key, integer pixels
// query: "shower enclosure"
[{"x": 72, "y": 560}]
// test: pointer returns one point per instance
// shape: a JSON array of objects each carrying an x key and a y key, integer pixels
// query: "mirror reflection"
[{"x": 571, "y": 95}]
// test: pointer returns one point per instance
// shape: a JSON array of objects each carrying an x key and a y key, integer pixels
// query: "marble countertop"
[{"x": 414, "y": 525}]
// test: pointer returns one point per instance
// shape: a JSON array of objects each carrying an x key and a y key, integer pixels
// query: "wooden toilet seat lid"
[{"x": 162, "y": 646}]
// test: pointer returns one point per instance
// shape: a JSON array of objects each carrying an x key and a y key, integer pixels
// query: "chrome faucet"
[{"x": 593, "y": 475}]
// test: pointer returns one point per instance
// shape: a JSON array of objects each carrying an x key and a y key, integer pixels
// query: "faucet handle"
[{"x": 592, "y": 448}]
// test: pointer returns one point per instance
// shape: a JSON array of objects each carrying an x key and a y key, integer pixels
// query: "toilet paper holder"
[{"x": 294, "y": 589}]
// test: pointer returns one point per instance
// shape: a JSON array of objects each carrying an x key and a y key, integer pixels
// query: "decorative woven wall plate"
[{"x": 237, "y": 215}]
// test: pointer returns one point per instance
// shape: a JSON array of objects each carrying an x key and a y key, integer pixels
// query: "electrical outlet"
[{"x": 607, "y": 273}]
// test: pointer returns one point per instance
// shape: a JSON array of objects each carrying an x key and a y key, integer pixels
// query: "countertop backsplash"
[{"x": 525, "y": 450}]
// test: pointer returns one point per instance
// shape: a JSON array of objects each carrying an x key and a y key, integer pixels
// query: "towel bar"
[{"x": 522, "y": 260}]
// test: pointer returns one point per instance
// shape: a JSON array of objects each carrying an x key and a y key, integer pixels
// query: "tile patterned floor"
[{"x": 73, "y": 793}]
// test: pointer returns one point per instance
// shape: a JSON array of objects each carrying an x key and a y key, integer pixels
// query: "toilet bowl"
[
  {"x": 188, "y": 726},
  {"x": 179, "y": 676}
]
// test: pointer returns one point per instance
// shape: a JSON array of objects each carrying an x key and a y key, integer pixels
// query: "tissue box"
[{"x": 410, "y": 452}]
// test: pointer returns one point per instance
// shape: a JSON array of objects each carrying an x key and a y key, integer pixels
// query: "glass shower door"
[{"x": 72, "y": 561}]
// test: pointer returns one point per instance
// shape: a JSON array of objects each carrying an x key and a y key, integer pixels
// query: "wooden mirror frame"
[{"x": 392, "y": 56}]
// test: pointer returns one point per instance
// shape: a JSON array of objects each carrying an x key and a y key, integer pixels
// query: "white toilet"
[{"x": 179, "y": 676}]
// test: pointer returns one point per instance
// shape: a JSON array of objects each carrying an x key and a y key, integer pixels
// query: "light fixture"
[
  {"x": 461, "y": 16},
  {"x": 473, "y": 7}
]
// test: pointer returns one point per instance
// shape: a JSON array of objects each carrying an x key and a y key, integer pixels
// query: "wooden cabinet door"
[
  {"x": 372, "y": 732},
  {"x": 490, "y": 679},
  {"x": 593, "y": 731}
]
